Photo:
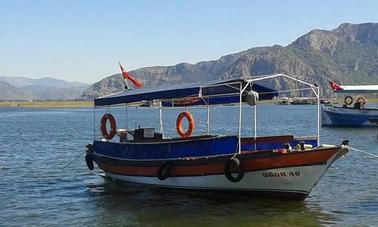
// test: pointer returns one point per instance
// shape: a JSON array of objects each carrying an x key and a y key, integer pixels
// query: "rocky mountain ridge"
[{"x": 347, "y": 54}]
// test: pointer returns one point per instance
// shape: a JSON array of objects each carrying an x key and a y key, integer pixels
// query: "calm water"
[{"x": 35, "y": 144}]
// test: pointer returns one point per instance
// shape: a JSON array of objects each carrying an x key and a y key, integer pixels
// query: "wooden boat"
[
  {"x": 351, "y": 114},
  {"x": 283, "y": 166}
]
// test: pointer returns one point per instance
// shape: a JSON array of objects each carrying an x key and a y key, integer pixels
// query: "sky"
[{"x": 83, "y": 40}]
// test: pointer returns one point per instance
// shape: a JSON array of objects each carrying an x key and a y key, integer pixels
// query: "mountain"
[
  {"x": 47, "y": 88},
  {"x": 10, "y": 92},
  {"x": 347, "y": 54},
  {"x": 55, "y": 93},
  {"x": 43, "y": 82}
]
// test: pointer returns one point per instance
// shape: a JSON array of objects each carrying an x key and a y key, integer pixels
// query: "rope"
[
  {"x": 74, "y": 160},
  {"x": 364, "y": 152}
]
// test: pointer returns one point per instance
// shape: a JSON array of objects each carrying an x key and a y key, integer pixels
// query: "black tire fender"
[
  {"x": 89, "y": 161},
  {"x": 231, "y": 165},
  {"x": 165, "y": 170}
]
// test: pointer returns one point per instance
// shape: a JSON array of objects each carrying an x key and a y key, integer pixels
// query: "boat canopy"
[
  {"x": 357, "y": 89},
  {"x": 201, "y": 93}
]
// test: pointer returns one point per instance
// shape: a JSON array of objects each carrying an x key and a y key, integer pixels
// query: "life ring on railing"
[
  {"x": 164, "y": 170},
  {"x": 361, "y": 100},
  {"x": 234, "y": 165},
  {"x": 348, "y": 100},
  {"x": 113, "y": 127},
  {"x": 179, "y": 128}
]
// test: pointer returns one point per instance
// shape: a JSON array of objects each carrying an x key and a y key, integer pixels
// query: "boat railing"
[{"x": 208, "y": 94}]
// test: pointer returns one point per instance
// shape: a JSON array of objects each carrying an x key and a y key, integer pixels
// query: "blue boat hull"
[{"x": 350, "y": 117}]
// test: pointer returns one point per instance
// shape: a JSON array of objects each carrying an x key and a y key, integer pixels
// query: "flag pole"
[{"x": 127, "y": 84}]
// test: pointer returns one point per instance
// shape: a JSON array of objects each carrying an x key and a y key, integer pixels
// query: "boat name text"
[{"x": 281, "y": 174}]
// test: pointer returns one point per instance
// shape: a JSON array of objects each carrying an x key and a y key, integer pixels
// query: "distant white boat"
[{"x": 352, "y": 113}]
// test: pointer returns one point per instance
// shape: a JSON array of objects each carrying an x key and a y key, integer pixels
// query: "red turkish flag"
[
  {"x": 335, "y": 86},
  {"x": 127, "y": 76}
]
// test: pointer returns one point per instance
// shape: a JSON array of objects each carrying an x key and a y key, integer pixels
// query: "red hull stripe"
[{"x": 305, "y": 158}]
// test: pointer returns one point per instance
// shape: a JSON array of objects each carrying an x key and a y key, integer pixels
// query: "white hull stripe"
[{"x": 293, "y": 179}]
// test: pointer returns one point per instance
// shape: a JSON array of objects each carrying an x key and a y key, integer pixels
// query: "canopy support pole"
[
  {"x": 127, "y": 117},
  {"x": 208, "y": 112},
  {"x": 240, "y": 116},
  {"x": 316, "y": 91},
  {"x": 242, "y": 89},
  {"x": 161, "y": 119},
  {"x": 208, "y": 120},
  {"x": 255, "y": 123},
  {"x": 318, "y": 97},
  {"x": 94, "y": 122}
]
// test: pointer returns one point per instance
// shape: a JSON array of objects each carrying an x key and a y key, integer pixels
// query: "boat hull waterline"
[{"x": 280, "y": 180}]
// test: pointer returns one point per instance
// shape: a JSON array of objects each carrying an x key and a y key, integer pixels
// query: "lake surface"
[{"x": 35, "y": 190}]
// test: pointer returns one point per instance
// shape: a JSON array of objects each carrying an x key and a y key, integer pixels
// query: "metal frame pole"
[
  {"x": 240, "y": 109},
  {"x": 240, "y": 116},
  {"x": 255, "y": 123},
  {"x": 94, "y": 122},
  {"x": 127, "y": 118},
  {"x": 318, "y": 96},
  {"x": 161, "y": 119},
  {"x": 208, "y": 119}
]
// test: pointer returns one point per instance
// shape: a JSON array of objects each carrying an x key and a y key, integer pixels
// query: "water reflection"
[
  {"x": 35, "y": 191},
  {"x": 130, "y": 204}
]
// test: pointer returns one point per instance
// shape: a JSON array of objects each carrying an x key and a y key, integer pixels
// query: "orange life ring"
[
  {"x": 179, "y": 128},
  {"x": 113, "y": 127},
  {"x": 361, "y": 100}
]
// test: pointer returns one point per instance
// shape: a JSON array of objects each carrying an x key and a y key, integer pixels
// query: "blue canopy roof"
[{"x": 213, "y": 92}]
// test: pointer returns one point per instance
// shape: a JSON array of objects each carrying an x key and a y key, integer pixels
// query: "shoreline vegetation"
[{"x": 48, "y": 104}]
